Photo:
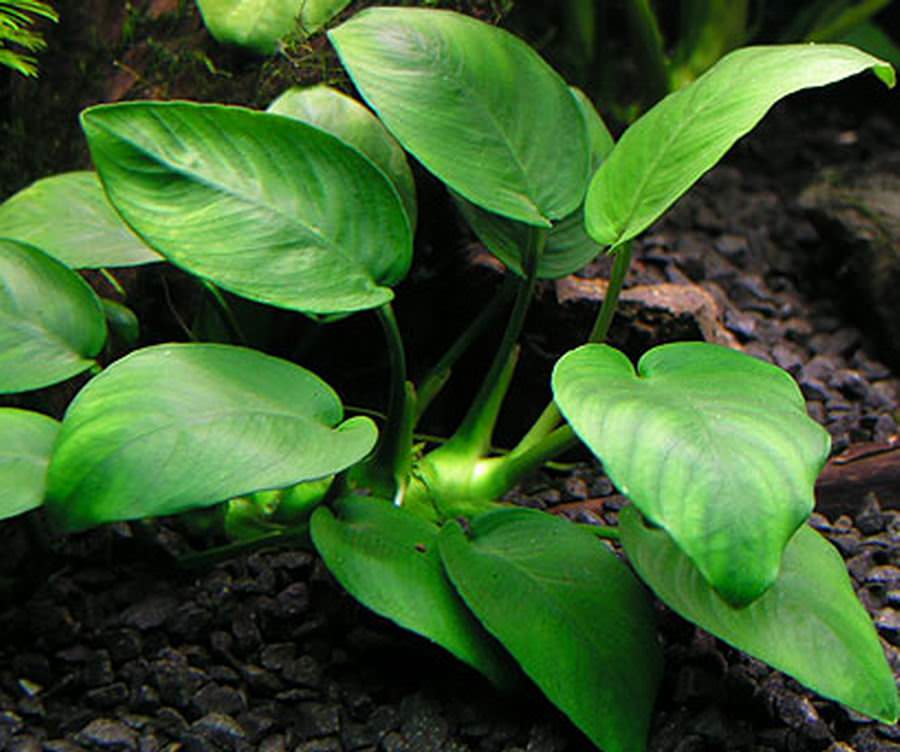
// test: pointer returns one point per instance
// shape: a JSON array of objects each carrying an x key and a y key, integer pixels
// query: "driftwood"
[
  {"x": 863, "y": 469},
  {"x": 842, "y": 488}
]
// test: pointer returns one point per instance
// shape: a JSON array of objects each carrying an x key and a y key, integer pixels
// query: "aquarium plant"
[
  {"x": 18, "y": 39},
  {"x": 311, "y": 207}
]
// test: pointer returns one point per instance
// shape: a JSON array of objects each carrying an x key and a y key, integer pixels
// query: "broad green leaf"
[
  {"x": 354, "y": 124},
  {"x": 474, "y": 104},
  {"x": 26, "y": 441},
  {"x": 262, "y": 205},
  {"x": 315, "y": 14},
  {"x": 574, "y": 617},
  {"x": 174, "y": 427},
  {"x": 259, "y": 25},
  {"x": 809, "y": 624},
  {"x": 568, "y": 247},
  {"x": 667, "y": 150},
  {"x": 68, "y": 217},
  {"x": 51, "y": 322},
  {"x": 387, "y": 559},
  {"x": 711, "y": 444}
]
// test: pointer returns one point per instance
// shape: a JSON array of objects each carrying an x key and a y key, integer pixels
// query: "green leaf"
[
  {"x": 574, "y": 617},
  {"x": 809, "y": 624},
  {"x": 355, "y": 125},
  {"x": 713, "y": 445},
  {"x": 568, "y": 247},
  {"x": 474, "y": 104},
  {"x": 68, "y": 217},
  {"x": 262, "y": 205},
  {"x": 257, "y": 25},
  {"x": 26, "y": 441},
  {"x": 51, "y": 322},
  {"x": 387, "y": 558},
  {"x": 175, "y": 427},
  {"x": 317, "y": 13},
  {"x": 667, "y": 150}
]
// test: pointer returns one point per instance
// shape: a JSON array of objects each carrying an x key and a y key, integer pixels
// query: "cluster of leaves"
[
  {"x": 311, "y": 207},
  {"x": 16, "y": 20}
]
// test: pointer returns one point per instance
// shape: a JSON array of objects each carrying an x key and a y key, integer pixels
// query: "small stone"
[
  {"x": 221, "y": 729},
  {"x": 61, "y": 745},
  {"x": 788, "y": 357},
  {"x": 870, "y": 519},
  {"x": 123, "y": 645},
  {"x": 303, "y": 672},
  {"x": 316, "y": 719},
  {"x": 851, "y": 383},
  {"x": 245, "y": 629},
  {"x": 106, "y": 733},
  {"x": 108, "y": 696},
  {"x": 26, "y": 743},
  {"x": 98, "y": 671},
  {"x": 150, "y": 613},
  {"x": 216, "y": 699},
  {"x": 273, "y": 743},
  {"x": 293, "y": 601}
]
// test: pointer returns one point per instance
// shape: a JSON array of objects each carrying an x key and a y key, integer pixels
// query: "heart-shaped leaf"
[
  {"x": 713, "y": 445},
  {"x": 26, "y": 441},
  {"x": 477, "y": 106},
  {"x": 574, "y": 617},
  {"x": 175, "y": 427},
  {"x": 667, "y": 150},
  {"x": 387, "y": 559},
  {"x": 353, "y": 123},
  {"x": 51, "y": 322},
  {"x": 809, "y": 624},
  {"x": 68, "y": 217},
  {"x": 568, "y": 247},
  {"x": 262, "y": 205}
]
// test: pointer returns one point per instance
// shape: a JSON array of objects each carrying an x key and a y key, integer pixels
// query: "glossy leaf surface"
[
  {"x": 174, "y": 427},
  {"x": 51, "y": 322},
  {"x": 474, "y": 104},
  {"x": 353, "y": 123},
  {"x": 574, "y": 617},
  {"x": 264, "y": 206},
  {"x": 26, "y": 441},
  {"x": 68, "y": 217},
  {"x": 387, "y": 559},
  {"x": 713, "y": 445},
  {"x": 260, "y": 25},
  {"x": 667, "y": 150},
  {"x": 569, "y": 247},
  {"x": 809, "y": 624}
]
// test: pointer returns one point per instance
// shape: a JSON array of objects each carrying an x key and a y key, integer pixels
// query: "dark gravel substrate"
[{"x": 114, "y": 650}]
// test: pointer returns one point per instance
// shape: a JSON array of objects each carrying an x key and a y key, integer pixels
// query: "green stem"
[
  {"x": 434, "y": 380},
  {"x": 203, "y": 559},
  {"x": 611, "y": 299},
  {"x": 111, "y": 278},
  {"x": 391, "y": 462},
  {"x": 549, "y": 419},
  {"x": 227, "y": 314},
  {"x": 473, "y": 437}
]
